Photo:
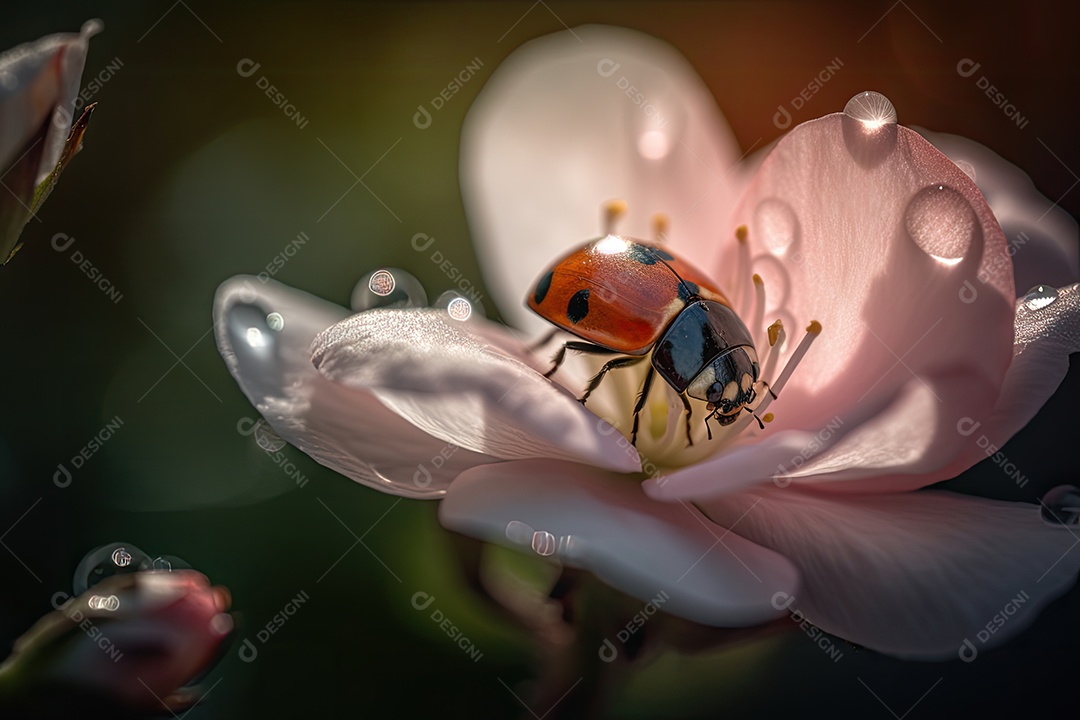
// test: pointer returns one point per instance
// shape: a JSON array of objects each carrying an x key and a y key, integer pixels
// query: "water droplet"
[
  {"x": 543, "y": 543},
  {"x": 967, "y": 167},
  {"x": 518, "y": 532},
  {"x": 252, "y": 338},
  {"x": 106, "y": 561},
  {"x": 459, "y": 307},
  {"x": 942, "y": 223},
  {"x": 110, "y": 603},
  {"x": 266, "y": 437},
  {"x": 275, "y": 322},
  {"x": 1061, "y": 506},
  {"x": 776, "y": 224},
  {"x": 1039, "y": 297},
  {"x": 872, "y": 109},
  {"x": 164, "y": 563},
  {"x": 388, "y": 287}
]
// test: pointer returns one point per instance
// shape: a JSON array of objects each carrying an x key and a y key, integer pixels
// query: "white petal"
[
  {"x": 915, "y": 574},
  {"x": 447, "y": 383},
  {"x": 560, "y": 128},
  {"x": 1042, "y": 237},
  {"x": 37, "y": 78},
  {"x": 345, "y": 429},
  {"x": 603, "y": 523}
]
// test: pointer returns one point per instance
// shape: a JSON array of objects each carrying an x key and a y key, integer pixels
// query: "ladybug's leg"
[
  {"x": 582, "y": 347},
  {"x": 689, "y": 412},
  {"x": 642, "y": 397},
  {"x": 610, "y": 365}
]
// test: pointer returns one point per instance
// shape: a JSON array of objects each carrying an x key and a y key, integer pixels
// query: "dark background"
[{"x": 190, "y": 175}]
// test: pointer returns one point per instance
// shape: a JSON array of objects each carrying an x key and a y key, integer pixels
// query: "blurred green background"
[{"x": 190, "y": 174}]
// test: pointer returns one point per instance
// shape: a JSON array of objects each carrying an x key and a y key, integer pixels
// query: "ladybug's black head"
[{"x": 727, "y": 383}]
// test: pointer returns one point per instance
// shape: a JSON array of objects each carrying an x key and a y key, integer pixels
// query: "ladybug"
[{"x": 630, "y": 298}]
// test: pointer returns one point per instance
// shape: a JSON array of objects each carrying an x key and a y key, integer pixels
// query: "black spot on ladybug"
[
  {"x": 578, "y": 307},
  {"x": 641, "y": 254},
  {"x": 687, "y": 290},
  {"x": 542, "y": 287}
]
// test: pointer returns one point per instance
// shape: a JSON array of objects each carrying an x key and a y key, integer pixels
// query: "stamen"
[
  {"x": 759, "y": 306},
  {"x": 772, "y": 392},
  {"x": 812, "y": 331},
  {"x": 742, "y": 268},
  {"x": 776, "y": 342},
  {"x": 613, "y": 211},
  {"x": 660, "y": 228}
]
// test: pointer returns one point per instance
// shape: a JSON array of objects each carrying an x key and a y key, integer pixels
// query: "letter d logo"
[
  {"x": 422, "y": 118},
  {"x": 248, "y": 652}
]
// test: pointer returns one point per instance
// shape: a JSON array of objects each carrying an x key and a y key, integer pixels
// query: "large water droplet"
[
  {"x": 776, "y": 225},
  {"x": 869, "y": 128},
  {"x": 1061, "y": 506},
  {"x": 942, "y": 223},
  {"x": 106, "y": 561},
  {"x": 1039, "y": 297},
  {"x": 388, "y": 287},
  {"x": 872, "y": 109},
  {"x": 458, "y": 307}
]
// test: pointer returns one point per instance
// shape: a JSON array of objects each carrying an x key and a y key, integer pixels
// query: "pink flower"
[
  {"x": 926, "y": 359},
  {"x": 133, "y": 641}
]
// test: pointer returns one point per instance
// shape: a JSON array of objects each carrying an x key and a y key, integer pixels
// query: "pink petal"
[
  {"x": 598, "y": 521},
  {"x": 1042, "y": 237},
  {"x": 467, "y": 392},
  {"x": 921, "y": 575},
  {"x": 346, "y": 429},
  {"x": 37, "y": 79},
  {"x": 881, "y": 455},
  {"x": 560, "y": 128},
  {"x": 851, "y": 200}
]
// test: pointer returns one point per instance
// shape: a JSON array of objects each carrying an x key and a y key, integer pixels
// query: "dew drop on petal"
[
  {"x": 1039, "y": 297},
  {"x": 543, "y": 543},
  {"x": 776, "y": 225},
  {"x": 872, "y": 109},
  {"x": 967, "y": 167},
  {"x": 458, "y": 307},
  {"x": 161, "y": 564},
  {"x": 1061, "y": 506},
  {"x": 266, "y": 437},
  {"x": 121, "y": 557},
  {"x": 275, "y": 322},
  {"x": 252, "y": 337},
  {"x": 942, "y": 223},
  {"x": 388, "y": 288}
]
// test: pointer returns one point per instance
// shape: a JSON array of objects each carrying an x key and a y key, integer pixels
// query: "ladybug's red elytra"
[{"x": 634, "y": 299}]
